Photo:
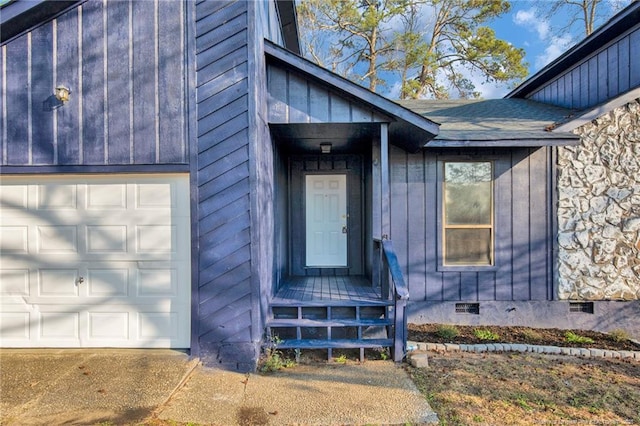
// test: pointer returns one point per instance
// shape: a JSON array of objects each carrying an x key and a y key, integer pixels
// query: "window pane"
[
  {"x": 467, "y": 193},
  {"x": 467, "y": 247}
]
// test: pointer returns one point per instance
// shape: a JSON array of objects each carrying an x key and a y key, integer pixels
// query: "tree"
[
  {"x": 362, "y": 30},
  {"x": 433, "y": 46},
  {"x": 585, "y": 14}
]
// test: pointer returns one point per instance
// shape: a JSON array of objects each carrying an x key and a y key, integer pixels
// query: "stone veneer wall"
[{"x": 599, "y": 209}]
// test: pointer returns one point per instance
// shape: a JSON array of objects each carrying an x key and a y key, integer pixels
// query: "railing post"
[
  {"x": 400, "y": 327},
  {"x": 377, "y": 265}
]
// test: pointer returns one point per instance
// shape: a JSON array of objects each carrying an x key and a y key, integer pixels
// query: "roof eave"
[
  {"x": 583, "y": 117},
  {"x": 565, "y": 140},
  {"x": 20, "y": 16}
]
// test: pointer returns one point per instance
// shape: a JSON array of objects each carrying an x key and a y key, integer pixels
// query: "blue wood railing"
[{"x": 388, "y": 275}]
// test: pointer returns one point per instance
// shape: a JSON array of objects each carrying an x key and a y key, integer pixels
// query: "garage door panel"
[
  {"x": 14, "y": 282},
  {"x": 59, "y": 239},
  {"x": 102, "y": 196},
  {"x": 57, "y": 197},
  {"x": 57, "y": 283},
  {"x": 106, "y": 239},
  {"x": 94, "y": 261},
  {"x": 108, "y": 282},
  {"x": 14, "y": 239},
  {"x": 14, "y": 199}
]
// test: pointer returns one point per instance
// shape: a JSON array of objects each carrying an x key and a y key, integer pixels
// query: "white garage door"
[{"x": 95, "y": 261}]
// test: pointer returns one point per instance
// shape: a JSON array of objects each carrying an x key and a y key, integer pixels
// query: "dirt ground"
[
  {"x": 525, "y": 389},
  {"x": 526, "y": 335}
]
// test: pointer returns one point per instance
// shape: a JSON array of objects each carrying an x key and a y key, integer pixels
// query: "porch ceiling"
[{"x": 344, "y": 137}]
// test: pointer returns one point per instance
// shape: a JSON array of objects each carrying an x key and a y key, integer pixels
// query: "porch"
[
  {"x": 327, "y": 290},
  {"x": 342, "y": 311}
]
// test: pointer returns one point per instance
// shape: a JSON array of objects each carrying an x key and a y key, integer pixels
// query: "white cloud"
[
  {"x": 556, "y": 47},
  {"x": 529, "y": 20}
]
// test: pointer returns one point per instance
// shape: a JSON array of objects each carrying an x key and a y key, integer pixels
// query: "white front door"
[
  {"x": 326, "y": 220},
  {"x": 95, "y": 261}
]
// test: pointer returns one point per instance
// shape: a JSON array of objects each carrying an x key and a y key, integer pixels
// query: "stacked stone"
[{"x": 599, "y": 209}]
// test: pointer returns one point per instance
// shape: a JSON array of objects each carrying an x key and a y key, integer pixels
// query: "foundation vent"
[
  {"x": 468, "y": 308},
  {"x": 581, "y": 307}
]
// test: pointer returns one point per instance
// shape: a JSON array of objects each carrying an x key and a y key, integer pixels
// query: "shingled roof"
[{"x": 494, "y": 122}]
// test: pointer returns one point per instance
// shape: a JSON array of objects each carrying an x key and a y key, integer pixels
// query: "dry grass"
[{"x": 525, "y": 389}]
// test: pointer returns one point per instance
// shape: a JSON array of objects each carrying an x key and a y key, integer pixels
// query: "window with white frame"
[{"x": 467, "y": 210}]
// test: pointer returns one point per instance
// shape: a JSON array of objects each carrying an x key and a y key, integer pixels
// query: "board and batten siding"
[
  {"x": 523, "y": 226},
  {"x": 294, "y": 98},
  {"x": 125, "y": 65},
  {"x": 610, "y": 71}
]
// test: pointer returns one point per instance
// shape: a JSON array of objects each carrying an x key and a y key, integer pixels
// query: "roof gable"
[{"x": 407, "y": 129}]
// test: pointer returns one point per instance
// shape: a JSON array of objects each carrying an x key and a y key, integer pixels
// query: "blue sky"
[{"x": 526, "y": 27}]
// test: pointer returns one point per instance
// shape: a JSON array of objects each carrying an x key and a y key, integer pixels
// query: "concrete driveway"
[{"x": 51, "y": 387}]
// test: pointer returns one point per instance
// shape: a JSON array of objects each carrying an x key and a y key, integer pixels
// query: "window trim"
[{"x": 441, "y": 266}]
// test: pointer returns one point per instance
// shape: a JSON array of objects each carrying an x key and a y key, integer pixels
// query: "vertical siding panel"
[
  {"x": 297, "y": 224},
  {"x": 539, "y": 223},
  {"x": 144, "y": 82},
  {"x": 568, "y": 93},
  {"x": 612, "y": 70},
  {"x": 584, "y": 85},
  {"x": 399, "y": 207},
  {"x": 118, "y": 89},
  {"x": 359, "y": 114},
  {"x": 171, "y": 84},
  {"x": 298, "y": 99},
  {"x": 67, "y": 71},
  {"x": 562, "y": 100},
  {"x": 318, "y": 104},
  {"x": 469, "y": 286},
  {"x": 93, "y": 101},
  {"x": 486, "y": 286},
  {"x": 339, "y": 109},
  {"x": 451, "y": 286},
  {"x": 634, "y": 68},
  {"x": 17, "y": 102},
  {"x": 603, "y": 75},
  {"x": 434, "y": 285},
  {"x": 521, "y": 226},
  {"x": 575, "y": 88},
  {"x": 42, "y": 88},
  {"x": 277, "y": 83},
  {"x": 592, "y": 82},
  {"x": 624, "y": 63},
  {"x": 504, "y": 191},
  {"x": 416, "y": 236}
]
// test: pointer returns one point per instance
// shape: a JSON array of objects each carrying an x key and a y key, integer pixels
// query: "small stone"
[
  {"x": 597, "y": 353},
  {"x": 419, "y": 360},
  {"x": 451, "y": 347}
]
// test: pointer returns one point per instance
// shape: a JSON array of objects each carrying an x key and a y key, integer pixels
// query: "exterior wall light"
[
  {"x": 325, "y": 148},
  {"x": 62, "y": 93}
]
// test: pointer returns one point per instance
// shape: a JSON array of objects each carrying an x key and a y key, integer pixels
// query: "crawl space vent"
[
  {"x": 468, "y": 308},
  {"x": 582, "y": 307}
]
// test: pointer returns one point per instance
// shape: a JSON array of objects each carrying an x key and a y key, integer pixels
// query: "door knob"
[
  {"x": 80, "y": 280},
  {"x": 344, "y": 229}
]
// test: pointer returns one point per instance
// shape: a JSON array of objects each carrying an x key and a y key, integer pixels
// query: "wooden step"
[
  {"x": 286, "y": 303},
  {"x": 295, "y": 322},
  {"x": 334, "y": 343}
]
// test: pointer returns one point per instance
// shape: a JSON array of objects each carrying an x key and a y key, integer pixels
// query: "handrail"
[
  {"x": 386, "y": 265},
  {"x": 402, "y": 291}
]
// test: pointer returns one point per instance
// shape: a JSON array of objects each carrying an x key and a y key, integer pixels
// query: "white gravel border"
[{"x": 515, "y": 347}]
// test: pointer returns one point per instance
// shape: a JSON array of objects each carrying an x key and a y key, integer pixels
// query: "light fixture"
[
  {"x": 62, "y": 93},
  {"x": 325, "y": 148}
]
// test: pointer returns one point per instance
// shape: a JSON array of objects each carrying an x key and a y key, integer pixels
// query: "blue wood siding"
[
  {"x": 125, "y": 65},
  {"x": 523, "y": 226},
  {"x": 608, "y": 72},
  {"x": 296, "y": 99},
  {"x": 223, "y": 178}
]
